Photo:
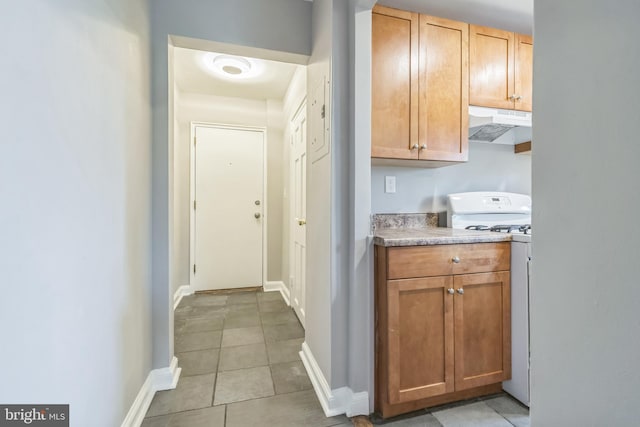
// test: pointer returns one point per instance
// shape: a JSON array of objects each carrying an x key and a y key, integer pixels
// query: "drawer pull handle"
[
  {"x": 455, "y": 259},
  {"x": 461, "y": 291},
  {"x": 451, "y": 291}
]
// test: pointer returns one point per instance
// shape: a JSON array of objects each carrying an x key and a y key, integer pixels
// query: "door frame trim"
[
  {"x": 192, "y": 190},
  {"x": 302, "y": 105}
]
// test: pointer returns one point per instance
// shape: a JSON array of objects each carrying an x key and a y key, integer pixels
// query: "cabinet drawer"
[{"x": 438, "y": 260}]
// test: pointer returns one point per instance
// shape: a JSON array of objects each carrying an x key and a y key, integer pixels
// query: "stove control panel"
[
  {"x": 497, "y": 201},
  {"x": 488, "y": 202}
]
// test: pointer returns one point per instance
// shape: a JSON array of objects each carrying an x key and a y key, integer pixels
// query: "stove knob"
[{"x": 455, "y": 259}]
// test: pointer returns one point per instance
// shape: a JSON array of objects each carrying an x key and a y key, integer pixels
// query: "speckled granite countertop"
[{"x": 434, "y": 236}]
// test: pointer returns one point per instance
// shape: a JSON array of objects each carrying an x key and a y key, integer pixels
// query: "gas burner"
[
  {"x": 505, "y": 228},
  {"x": 525, "y": 229},
  {"x": 477, "y": 227}
]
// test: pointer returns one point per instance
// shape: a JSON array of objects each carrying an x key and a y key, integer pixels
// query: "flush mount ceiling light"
[{"x": 232, "y": 67}]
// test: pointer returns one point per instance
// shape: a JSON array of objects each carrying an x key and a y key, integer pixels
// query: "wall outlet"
[{"x": 389, "y": 184}]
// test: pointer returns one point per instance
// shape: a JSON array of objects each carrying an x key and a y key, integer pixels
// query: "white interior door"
[
  {"x": 299, "y": 210},
  {"x": 228, "y": 208}
]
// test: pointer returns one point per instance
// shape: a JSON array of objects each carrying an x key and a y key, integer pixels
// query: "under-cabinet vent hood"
[{"x": 499, "y": 126}]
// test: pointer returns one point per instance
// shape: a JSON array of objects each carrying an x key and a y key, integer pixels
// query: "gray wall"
[
  {"x": 75, "y": 189},
  {"x": 279, "y": 25},
  {"x": 490, "y": 167},
  {"x": 340, "y": 214},
  {"x": 361, "y": 316},
  {"x": 585, "y": 293},
  {"x": 318, "y": 268}
]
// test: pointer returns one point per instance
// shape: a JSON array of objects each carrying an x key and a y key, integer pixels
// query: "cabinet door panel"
[
  {"x": 420, "y": 337},
  {"x": 524, "y": 72},
  {"x": 491, "y": 59},
  {"x": 482, "y": 329},
  {"x": 444, "y": 89},
  {"x": 394, "y": 94}
]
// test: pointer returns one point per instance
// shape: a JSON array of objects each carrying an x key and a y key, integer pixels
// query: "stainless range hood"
[{"x": 499, "y": 126}]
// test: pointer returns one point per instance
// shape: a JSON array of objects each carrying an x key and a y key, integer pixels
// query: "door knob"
[
  {"x": 455, "y": 259},
  {"x": 302, "y": 221},
  {"x": 257, "y": 215},
  {"x": 257, "y": 202}
]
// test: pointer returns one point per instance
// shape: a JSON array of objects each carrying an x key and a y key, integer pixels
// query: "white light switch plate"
[{"x": 389, "y": 184}]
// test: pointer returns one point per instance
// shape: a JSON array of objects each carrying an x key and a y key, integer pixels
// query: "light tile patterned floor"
[
  {"x": 240, "y": 368},
  {"x": 494, "y": 411}
]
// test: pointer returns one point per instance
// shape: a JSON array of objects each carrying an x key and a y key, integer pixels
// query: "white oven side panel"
[{"x": 518, "y": 386}]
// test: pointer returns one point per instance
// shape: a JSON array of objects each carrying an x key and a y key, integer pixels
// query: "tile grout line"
[
  {"x": 264, "y": 338},
  {"x": 503, "y": 417},
  {"x": 178, "y": 412},
  {"x": 215, "y": 383}
]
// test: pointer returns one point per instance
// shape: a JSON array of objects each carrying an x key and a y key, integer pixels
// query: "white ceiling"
[
  {"x": 191, "y": 75},
  {"x": 512, "y": 15}
]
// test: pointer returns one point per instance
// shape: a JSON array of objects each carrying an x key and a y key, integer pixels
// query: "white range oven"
[{"x": 505, "y": 213}]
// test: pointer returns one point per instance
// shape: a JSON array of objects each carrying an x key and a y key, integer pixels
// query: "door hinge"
[
  {"x": 194, "y": 205},
  {"x": 322, "y": 114},
  {"x": 194, "y": 269},
  {"x": 195, "y": 140}
]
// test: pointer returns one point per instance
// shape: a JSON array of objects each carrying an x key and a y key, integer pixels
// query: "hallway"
[{"x": 240, "y": 366}]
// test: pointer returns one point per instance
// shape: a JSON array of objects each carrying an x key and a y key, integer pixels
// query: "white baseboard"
[
  {"x": 157, "y": 380},
  {"x": 334, "y": 402},
  {"x": 278, "y": 286},
  {"x": 166, "y": 378},
  {"x": 181, "y": 292}
]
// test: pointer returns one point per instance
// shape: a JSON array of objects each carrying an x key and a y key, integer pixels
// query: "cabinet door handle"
[
  {"x": 461, "y": 291},
  {"x": 451, "y": 291},
  {"x": 414, "y": 146},
  {"x": 455, "y": 260},
  {"x": 423, "y": 147}
]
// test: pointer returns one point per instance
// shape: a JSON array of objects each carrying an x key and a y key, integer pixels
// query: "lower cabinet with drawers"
[{"x": 442, "y": 324}]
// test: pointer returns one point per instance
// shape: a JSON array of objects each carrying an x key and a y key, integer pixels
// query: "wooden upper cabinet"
[
  {"x": 444, "y": 91},
  {"x": 491, "y": 55},
  {"x": 524, "y": 72},
  {"x": 500, "y": 68},
  {"x": 394, "y": 92},
  {"x": 419, "y": 87}
]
